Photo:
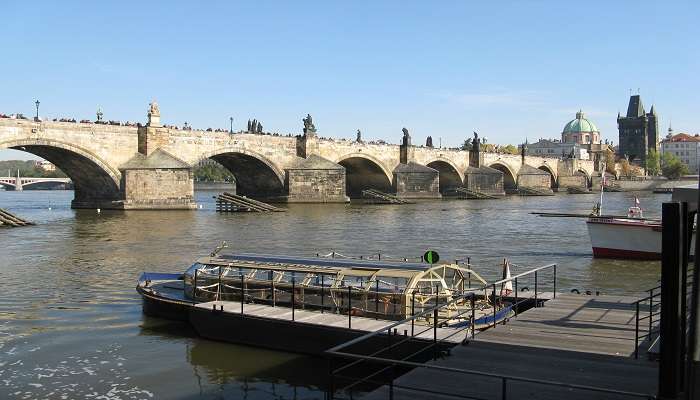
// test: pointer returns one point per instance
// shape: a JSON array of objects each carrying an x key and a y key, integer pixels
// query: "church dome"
[{"x": 580, "y": 125}]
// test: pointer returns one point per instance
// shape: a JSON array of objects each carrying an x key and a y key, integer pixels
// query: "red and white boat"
[{"x": 633, "y": 238}]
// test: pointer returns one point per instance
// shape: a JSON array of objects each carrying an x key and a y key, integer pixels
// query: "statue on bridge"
[
  {"x": 309, "y": 124},
  {"x": 475, "y": 141},
  {"x": 359, "y": 136},
  {"x": 406, "y": 137},
  {"x": 429, "y": 142},
  {"x": 153, "y": 114}
]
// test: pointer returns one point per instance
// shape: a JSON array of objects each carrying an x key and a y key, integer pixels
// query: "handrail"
[{"x": 504, "y": 378}]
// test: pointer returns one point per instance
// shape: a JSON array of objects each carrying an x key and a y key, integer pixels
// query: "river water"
[{"x": 71, "y": 324}]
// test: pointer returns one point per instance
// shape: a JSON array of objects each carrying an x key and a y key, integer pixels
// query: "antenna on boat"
[{"x": 218, "y": 248}]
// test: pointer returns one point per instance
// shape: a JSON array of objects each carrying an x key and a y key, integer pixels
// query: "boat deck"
[
  {"x": 328, "y": 319},
  {"x": 573, "y": 339}
]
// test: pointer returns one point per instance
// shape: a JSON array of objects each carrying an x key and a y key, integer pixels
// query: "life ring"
[{"x": 575, "y": 291}]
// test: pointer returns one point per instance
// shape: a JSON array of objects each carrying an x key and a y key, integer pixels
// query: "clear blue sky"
[{"x": 508, "y": 70}]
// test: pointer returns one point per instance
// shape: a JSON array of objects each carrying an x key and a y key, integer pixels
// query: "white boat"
[{"x": 634, "y": 238}]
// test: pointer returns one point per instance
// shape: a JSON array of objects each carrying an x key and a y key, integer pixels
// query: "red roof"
[{"x": 683, "y": 137}]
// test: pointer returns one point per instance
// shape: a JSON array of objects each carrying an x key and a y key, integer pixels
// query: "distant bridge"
[
  {"x": 20, "y": 183},
  {"x": 150, "y": 166}
]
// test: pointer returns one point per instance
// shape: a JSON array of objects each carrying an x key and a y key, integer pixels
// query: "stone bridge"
[{"x": 129, "y": 167}]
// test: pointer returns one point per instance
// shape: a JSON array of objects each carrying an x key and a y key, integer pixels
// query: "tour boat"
[
  {"x": 634, "y": 237},
  {"x": 364, "y": 288}
]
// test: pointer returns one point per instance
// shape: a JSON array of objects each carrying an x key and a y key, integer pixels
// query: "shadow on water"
[{"x": 225, "y": 368}]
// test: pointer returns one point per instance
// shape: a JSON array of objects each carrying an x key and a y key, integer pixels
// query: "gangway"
[
  {"x": 534, "y": 191},
  {"x": 7, "y": 219},
  {"x": 464, "y": 193},
  {"x": 373, "y": 196},
  {"x": 229, "y": 202}
]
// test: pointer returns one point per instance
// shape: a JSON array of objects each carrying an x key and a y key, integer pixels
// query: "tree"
[
  {"x": 626, "y": 169},
  {"x": 212, "y": 173},
  {"x": 610, "y": 162},
  {"x": 652, "y": 163},
  {"x": 510, "y": 149},
  {"x": 672, "y": 167}
]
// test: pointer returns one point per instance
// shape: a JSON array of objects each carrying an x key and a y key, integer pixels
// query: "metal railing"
[
  {"x": 393, "y": 362},
  {"x": 647, "y": 316}
]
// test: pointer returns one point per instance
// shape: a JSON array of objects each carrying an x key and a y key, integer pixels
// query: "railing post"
[
  {"x": 293, "y": 300},
  {"x": 274, "y": 295},
  {"x": 516, "y": 297},
  {"x": 413, "y": 311},
  {"x": 636, "y": 332},
  {"x": 504, "y": 393},
  {"x": 554, "y": 295},
  {"x": 218, "y": 292},
  {"x": 331, "y": 374},
  {"x": 376, "y": 300},
  {"x": 471, "y": 301},
  {"x": 536, "y": 303},
  {"x": 435, "y": 324},
  {"x": 349, "y": 307},
  {"x": 323, "y": 284},
  {"x": 493, "y": 294},
  {"x": 242, "y": 293}
]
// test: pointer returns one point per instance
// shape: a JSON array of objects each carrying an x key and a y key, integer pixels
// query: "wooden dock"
[
  {"x": 9, "y": 220},
  {"x": 373, "y": 196},
  {"x": 573, "y": 339},
  {"x": 229, "y": 202}
]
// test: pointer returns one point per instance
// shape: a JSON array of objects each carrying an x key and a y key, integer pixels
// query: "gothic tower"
[{"x": 638, "y": 130}]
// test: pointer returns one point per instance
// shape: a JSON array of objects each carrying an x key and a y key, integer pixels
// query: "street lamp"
[
  {"x": 37, "y": 110},
  {"x": 231, "y": 119}
]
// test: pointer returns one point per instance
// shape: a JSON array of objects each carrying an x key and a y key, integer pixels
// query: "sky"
[{"x": 509, "y": 70}]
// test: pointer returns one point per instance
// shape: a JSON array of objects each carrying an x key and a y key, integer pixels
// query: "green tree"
[
  {"x": 467, "y": 145},
  {"x": 212, "y": 173},
  {"x": 672, "y": 167},
  {"x": 510, "y": 149},
  {"x": 652, "y": 163}
]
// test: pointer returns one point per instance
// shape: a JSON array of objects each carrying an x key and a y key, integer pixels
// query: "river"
[{"x": 71, "y": 324}]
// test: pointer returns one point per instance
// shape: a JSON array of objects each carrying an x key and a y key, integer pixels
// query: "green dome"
[{"x": 580, "y": 124}]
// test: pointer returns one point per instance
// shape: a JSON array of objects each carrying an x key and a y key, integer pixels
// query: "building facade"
[
  {"x": 685, "y": 147},
  {"x": 580, "y": 130},
  {"x": 638, "y": 132},
  {"x": 576, "y": 139}
]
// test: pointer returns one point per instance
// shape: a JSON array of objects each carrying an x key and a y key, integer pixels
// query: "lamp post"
[
  {"x": 231, "y": 120},
  {"x": 36, "y": 103}
]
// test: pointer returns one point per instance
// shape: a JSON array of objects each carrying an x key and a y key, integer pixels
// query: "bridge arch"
[
  {"x": 552, "y": 176},
  {"x": 256, "y": 175},
  {"x": 450, "y": 175},
  {"x": 587, "y": 175},
  {"x": 509, "y": 176},
  {"x": 94, "y": 180},
  {"x": 363, "y": 171}
]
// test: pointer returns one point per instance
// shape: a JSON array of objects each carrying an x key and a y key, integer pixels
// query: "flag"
[
  {"x": 507, "y": 287},
  {"x": 636, "y": 201}
]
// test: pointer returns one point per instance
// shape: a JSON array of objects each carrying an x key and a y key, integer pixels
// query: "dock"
[
  {"x": 9, "y": 220},
  {"x": 470, "y": 194},
  {"x": 572, "y": 343},
  {"x": 229, "y": 202},
  {"x": 534, "y": 191},
  {"x": 373, "y": 196}
]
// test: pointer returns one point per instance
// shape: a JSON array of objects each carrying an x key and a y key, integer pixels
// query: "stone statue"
[
  {"x": 254, "y": 126},
  {"x": 250, "y": 125},
  {"x": 260, "y": 128},
  {"x": 153, "y": 114},
  {"x": 309, "y": 124},
  {"x": 429, "y": 142},
  {"x": 154, "y": 110},
  {"x": 475, "y": 141},
  {"x": 406, "y": 137},
  {"x": 359, "y": 136}
]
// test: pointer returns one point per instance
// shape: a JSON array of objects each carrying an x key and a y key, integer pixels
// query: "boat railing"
[
  {"x": 324, "y": 293},
  {"x": 352, "y": 366}
]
